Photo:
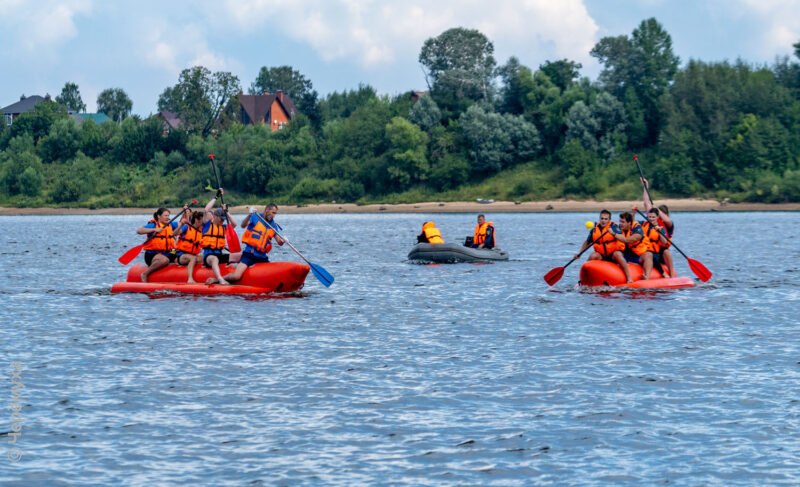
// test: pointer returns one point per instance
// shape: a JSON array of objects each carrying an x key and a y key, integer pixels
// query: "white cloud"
[
  {"x": 780, "y": 21},
  {"x": 380, "y": 32},
  {"x": 174, "y": 48},
  {"x": 39, "y": 25}
]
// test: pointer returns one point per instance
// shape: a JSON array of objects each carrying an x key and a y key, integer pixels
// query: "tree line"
[{"x": 713, "y": 129}]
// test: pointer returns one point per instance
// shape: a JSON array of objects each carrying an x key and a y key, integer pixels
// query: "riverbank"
[{"x": 487, "y": 206}]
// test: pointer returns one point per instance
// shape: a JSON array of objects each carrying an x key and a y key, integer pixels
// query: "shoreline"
[{"x": 554, "y": 206}]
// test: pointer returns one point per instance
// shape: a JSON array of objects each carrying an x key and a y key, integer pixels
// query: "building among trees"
[{"x": 275, "y": 109}]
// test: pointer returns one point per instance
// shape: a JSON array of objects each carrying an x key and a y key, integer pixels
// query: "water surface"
[{"x": 400, "y": 373}]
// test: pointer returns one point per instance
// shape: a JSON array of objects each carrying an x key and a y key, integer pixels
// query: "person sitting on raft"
[
  {"x": 658, "y": 243},
  {"x": 637, "y": 245},
  {"x": 189, "y": 242},
  {"x": 606, "y": 245},
  {"x": 483, "y": 237},
  {"x": 430, "y": 234},
  {"x": 160, "y": 242},
  {"x": 260, "y": 230},
  {"x": 665, "y": 222},
  {"x": 214, "y": 223}
]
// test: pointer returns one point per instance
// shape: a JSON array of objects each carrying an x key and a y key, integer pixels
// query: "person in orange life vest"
[
  {"x": 664, "y": 220},
  {"x": 483, "y": 237},
  {"x": 189, "y": 241},
  {"x": 430, "y": 234},
  {"x": 638, "y": 249},
  {"x": 654, "y": 232},
  {"x": 257, "y": 239},
  {"x": 214, "y": 223},
  {"x": 607, "y": 247},
  {"x": 160, "y": 242}
]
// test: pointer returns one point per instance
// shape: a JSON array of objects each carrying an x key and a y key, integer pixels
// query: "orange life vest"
[
  {"x": 667, "y": 232},
  {"x": 191, "y": 241},
  {"x": 479, "y": 236},
  {"x": 214, "y": 237},
  {"x": 432, "y": 233},
  {"x": 608, "y": 244},
  {"x": 639, "y": 247},
  {"x": 161, "y": 241},
  {"x": 653, "y": 236},
  {"x": 260, "y": 237}
]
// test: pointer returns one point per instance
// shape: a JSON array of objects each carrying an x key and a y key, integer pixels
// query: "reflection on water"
[{"x": 399, "y": 373}]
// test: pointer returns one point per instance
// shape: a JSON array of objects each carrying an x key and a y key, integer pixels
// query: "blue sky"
[{"x": 142, "y": 46}]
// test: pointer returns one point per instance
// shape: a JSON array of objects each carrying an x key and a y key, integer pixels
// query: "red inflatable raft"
[
  {"x": 264, "y": 278},
  {"x": 595, "y": 273}
]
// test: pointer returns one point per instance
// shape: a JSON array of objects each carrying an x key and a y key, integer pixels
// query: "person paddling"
[
  {"x": 214, "y": 223},
  {"x": 189, "y": 241},
  {"x": 662, "y": 257},
  {"x": 160, "y": 242},
  {"x": 606, "y": 245},
  {"x": 637, "y": 246},
  {"x": 258, "y": 236}
]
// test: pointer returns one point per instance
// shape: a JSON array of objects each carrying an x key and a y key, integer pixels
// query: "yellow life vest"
[{"x": 432, "y": 233}]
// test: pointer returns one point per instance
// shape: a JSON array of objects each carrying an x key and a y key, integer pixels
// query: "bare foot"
[
  {"x": 666, "y": 275},
  {"x": 144, "y": 276},
  {"x": 644, "y": 278},
  {"x": 211, "y": 280},
  {"x": 224, "y": 282},
  {"x": 191, "y": 281}
]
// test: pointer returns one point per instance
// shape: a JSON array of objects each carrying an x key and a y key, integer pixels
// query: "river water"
[{"x": 399, "y": 373}]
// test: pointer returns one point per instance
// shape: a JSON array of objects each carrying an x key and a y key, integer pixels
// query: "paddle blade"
[
  {"x": 131, "y": 254},
  {"x": 321, "y": 274},
  {"x": 232, "y": 239},
  {"x": 554, "y": 275},
  {"x": 699, "y": 270}
]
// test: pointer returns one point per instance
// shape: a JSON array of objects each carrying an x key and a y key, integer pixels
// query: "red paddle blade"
[
  {"x": 232, "y": 239},
  {"x": 699, "y": 270},
  {"x": 554, "y": 275},
  {"x": 131, "y": 254}
]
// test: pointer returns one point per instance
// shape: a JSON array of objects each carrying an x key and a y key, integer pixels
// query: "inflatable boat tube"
[
  {"x": 262, "y": 278},
  {"x": 597, "y": 273},
  {"x": 450, "y": 253}
]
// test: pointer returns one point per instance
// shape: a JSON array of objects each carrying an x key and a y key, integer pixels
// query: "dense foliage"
[{"x": 714, "y": 129}]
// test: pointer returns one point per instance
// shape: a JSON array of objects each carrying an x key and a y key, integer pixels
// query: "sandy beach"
[{"x": 448, "y": 207}]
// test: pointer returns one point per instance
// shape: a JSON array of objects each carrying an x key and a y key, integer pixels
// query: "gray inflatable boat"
[{"x": 451, "y": 252}]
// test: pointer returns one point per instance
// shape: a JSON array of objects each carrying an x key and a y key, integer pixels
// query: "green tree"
[
  {"x": 459, "y": 67},
  {"x": 496, "y": 141},
  {"x": 115, "y": 103},
  {"x": 562, "y": 73},
  {"x": 62, "y": 143},
  {"x": 646, "y": 63},
  {"x": 70, "y": 97},
  {"x": 513, "y": 91},
  {"x": 406, "y": 158},
  {"x": 20, "y": 168},
  {"x": 342, "y": 105},
  {"x": 425, "y": 113},
  {"x": 199, "y": 97}
]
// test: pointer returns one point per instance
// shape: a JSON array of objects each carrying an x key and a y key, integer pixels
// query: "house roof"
[
  {"x": 95, "y": 117},
  {"x": 257, "y": 106},
  {"x": 170, "y": 118},
  {"x": 24, "y": 105}
]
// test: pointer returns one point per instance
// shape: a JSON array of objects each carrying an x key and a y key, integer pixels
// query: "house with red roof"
[{"x": 275, "y": 109}]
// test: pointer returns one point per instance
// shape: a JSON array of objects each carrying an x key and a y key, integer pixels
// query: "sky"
[{"x": 143, "y": 46}]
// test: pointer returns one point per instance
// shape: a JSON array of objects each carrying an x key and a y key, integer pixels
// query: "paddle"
[
  {"x": 131, "y": 254},
  {"x": 557, "y": 273},
  {"x": 319, "y": 272},
  {"x": 230, "y": 233},
  {"x": 697, "y": 267}
]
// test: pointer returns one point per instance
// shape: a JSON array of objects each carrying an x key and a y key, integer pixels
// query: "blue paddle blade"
[{"x": 321, "y": 274}]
